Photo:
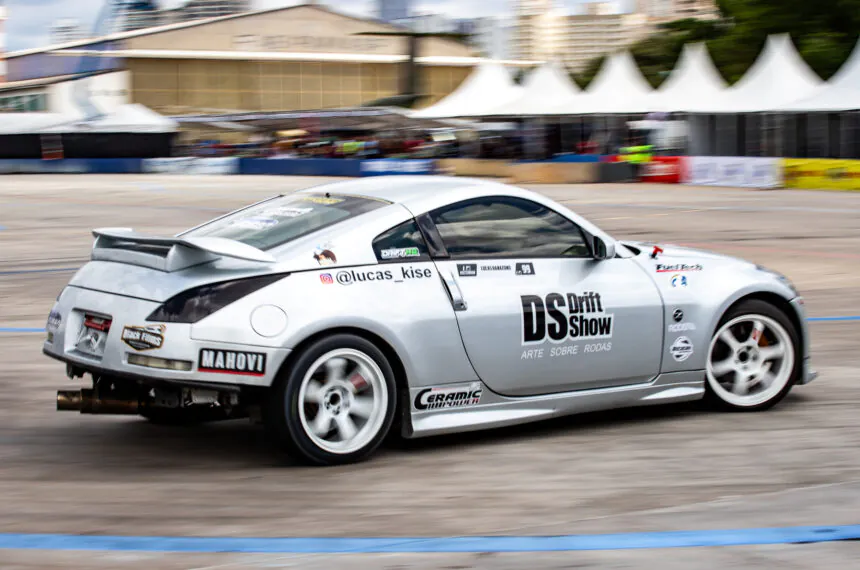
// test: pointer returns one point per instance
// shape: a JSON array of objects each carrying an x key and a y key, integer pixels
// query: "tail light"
[{"x": 196, "y": 304}]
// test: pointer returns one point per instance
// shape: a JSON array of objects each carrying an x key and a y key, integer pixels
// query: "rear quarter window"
[{"x": 400, "y": 244}]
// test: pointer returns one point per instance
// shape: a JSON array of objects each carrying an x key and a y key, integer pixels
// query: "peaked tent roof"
[
  {"x": 619, "y": 87},
  {"x": 488, "y": 86},
  {"x": 778, "y": 76},
  {"x": 544, "y": 89},
  {"x": 694, "y": 79},
  {"x": 841, "y": 93}
]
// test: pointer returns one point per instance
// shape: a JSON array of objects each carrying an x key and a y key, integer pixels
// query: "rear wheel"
[
  {"x": 753, "y": 357},
  {"x": 335, "y": 403}
]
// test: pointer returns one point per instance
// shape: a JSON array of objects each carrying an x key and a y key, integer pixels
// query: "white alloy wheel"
[
  {"x": 343, "y": 401},
  {"x": 750, "y": 360}
]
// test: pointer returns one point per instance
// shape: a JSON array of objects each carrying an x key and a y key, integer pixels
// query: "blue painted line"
[
  {"x": 28, "y": 271},
  {"x": 679, "y": 539},
  {"x": 21, "y": 330},
  {"x": 825, "y": 319}
]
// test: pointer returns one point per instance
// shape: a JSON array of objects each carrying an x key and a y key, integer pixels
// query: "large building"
[
  {"x": 541, "y": 31},
  {"x": 538, "y": 31},
  {"x": 598, "y": 32},
  {"x": 667, "y": 10},
  {"x": 301, "y": 57},
  {"x": 393, "y": 10},
  {"x": 137, "y": 14},
  {"x": 66, "y": 30},
  {"x": 200, "y": 9}
]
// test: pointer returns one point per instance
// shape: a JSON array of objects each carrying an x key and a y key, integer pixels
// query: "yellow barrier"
[
  {"x": 821, "y": 174},
  {"x": 474, "y": 167},
  {"x": 553, "y": 173}
]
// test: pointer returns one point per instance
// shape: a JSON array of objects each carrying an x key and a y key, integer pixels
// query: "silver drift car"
[{"x": 431, "y": 304}]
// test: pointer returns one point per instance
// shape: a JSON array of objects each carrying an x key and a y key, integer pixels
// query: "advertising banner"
[
  {"x": 71, "y": 166},
  {"x": 731, "y": 171},
  {"x": 821, "y": 174},
  {"x": 385, "y": 166},
  {"x": 663, "y": 170},
  {"x": 301, "y": 166},
  {"x": 192, "y": 165}
]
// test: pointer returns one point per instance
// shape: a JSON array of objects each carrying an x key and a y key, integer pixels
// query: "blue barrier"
[
  {"x": 72, "y": 166},
  {"x": 301, "y": 166},
  {"x": 575, "y": 158},
  {"x": 388, "y": 166}
]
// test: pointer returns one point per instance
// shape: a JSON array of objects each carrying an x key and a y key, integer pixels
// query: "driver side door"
[{"x": 536, "y": 312}]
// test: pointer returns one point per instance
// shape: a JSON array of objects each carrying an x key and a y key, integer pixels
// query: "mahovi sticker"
[
  {"x": 232, "y": 362},
  {"x": 143, "y": 337},
  {"x": 449, "y": 397},
  {"x": 681, "y": 349}
]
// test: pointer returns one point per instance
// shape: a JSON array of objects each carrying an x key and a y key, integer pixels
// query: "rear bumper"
[{"x": 177, "y": 345}]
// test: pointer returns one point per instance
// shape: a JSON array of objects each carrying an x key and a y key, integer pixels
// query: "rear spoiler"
[{"x": 124, "y": 245}]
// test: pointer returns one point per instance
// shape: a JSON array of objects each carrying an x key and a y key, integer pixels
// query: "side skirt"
[{"x": 494, "y": 410}]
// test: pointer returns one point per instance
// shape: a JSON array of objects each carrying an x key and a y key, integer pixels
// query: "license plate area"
[{"x": 93, "y": 335}]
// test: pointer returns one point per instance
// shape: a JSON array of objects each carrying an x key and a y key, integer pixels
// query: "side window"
[
  {"x": 501, "y": 226},
  {"x": 401, "y": 243}
]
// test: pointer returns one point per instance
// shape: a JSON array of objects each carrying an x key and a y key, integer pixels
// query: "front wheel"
[
  {"x": 753, "y": 357},
  {"x": 335, "y": 403}
]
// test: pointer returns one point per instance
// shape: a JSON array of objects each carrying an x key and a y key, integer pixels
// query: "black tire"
[
  {"x": 758, "y": 307},
  {"x": 282, "y": 416}
]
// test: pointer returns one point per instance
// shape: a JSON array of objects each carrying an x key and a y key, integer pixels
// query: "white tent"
[
  {"x": 131, "y": 118},
  {"x": 488, "y": 86},
  {"x": 618, "y": 88},
  {"x": 695, "y": 79},
  {"x": 841, "y": 93},
  {"x": 546, "y": 87},
  {"x": 778, "y": 76}
]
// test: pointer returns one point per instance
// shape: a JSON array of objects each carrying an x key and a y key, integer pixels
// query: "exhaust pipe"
[
  {"x": 69, "y": 400},
  {"x": 85, "y": 402}
]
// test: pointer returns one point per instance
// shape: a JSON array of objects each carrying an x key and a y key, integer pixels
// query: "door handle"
[{"x": 453, "y": 290}]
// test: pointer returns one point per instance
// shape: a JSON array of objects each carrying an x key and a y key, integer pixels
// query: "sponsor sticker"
[
  {"x": 326, "y": 278},
  {"x": 461, "y": 396},
  {"x": 54, "y": 320},
  {"x": 525, "y": 269},
  {"x": 681, "y": 349},
  {"x": 400, "y": 252},
  {"x": 287, "y": 212},
  {"x": 678, "y": 280},
  {"x": 467, "y": 269},
  {"x": 495, "y": 268},
  {"x": 326, "y": 201},
  {"x": 324, "y": 256},
  {"x": 681, "y": 327},
  {"x": 678, "y": 267},
  {"x": 232, "y": 362},
  {"x": 348, "y": 277},
  {"x": 143, "y": 337},
  {"x": 558, "y": 318},
  {"x": 256, "y": 223}
]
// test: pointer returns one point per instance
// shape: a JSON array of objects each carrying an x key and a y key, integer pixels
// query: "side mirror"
[{"x": 601, "y": 249}]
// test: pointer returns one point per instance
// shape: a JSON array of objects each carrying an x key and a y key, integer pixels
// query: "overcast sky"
[{"x": 29, "y": 20}]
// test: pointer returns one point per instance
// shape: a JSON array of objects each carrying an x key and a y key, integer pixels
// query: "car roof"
[{"x": 420, "y": 193}]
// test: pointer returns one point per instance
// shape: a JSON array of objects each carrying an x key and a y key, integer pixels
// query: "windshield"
[{"x": 276, "y": 222}]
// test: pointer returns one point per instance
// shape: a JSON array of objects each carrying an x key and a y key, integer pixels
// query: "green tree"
[{"x": 824, "y": 33}]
